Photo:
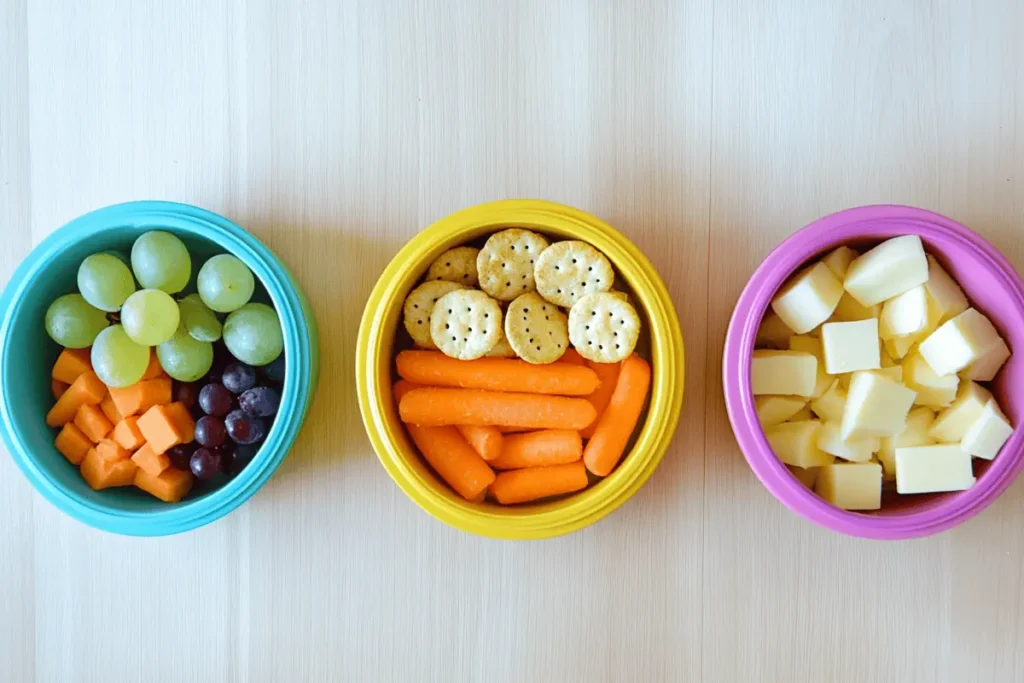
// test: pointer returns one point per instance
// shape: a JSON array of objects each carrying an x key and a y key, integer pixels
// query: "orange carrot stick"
[
  {"x": 534, "y": 449},
  {"x": 519, "y": 486},
  {"x": 573, "y": 357},
  {"x": 608, "y": 373},
  {"x": 513, "y": 430},
  {"x": 432, "y": 407},
  {"x": 485, "y": 440},
  {"x": 453, "y": 459},
  {"x": 403, "y": 387},
  {"x": 496, "y": 374},
  {"x": 616, "y": 425}
]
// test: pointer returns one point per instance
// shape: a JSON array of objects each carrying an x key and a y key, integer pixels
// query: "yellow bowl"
[{"x": 375, "y": 351}]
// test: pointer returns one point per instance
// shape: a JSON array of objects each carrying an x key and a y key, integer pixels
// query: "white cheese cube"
[
  {"x": 875, "y": 406},
  {"x": 919, "y": 421},
  {"x": 932, "y": 390},
  {"x": 849, "y": 309},
  {"x": 904, "y": 314},
  {"x": 830, "y": 406},
  {"x": 890, "y": 269},
  {"x": 773, "y": 333},
  {"x": 786, "y": 373},
  {"x": 953, "y": 422},
  {"x": 985, "y": 368},
  {"x": 851, "y": 486},
  {"x": 830, "y": 441},
  {"x": 851, "y": 346},
  {"x": 930, "y": 469},
  {"x": 808, "y": 299},
  {"x": 771, "y": 410},
  {"x": 806, "y": 477},
  {"x": 944, "y": 291},
  {"x": 989, "y": 432},
  {"x": 839, "y": 260},
  {"x": 812, "y": 345},
  {"x": 887, "y": 361},
  {"x": 796, "y": 443},
  {"x": 802, "y": 414},
  {"x": 959, "y": 342},
  {"x": 899, "y": 347}
]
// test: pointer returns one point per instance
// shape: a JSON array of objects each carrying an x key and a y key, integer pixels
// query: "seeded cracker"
[
  {"x": 568, "y": 270},
  {"x": 456, "y": 265},
  {"x": 536, "y": 329},
  {"x": 418, "y": 306},
  {"x": 465, "y": 324},
  {"x": 506, "y": 263},
  {"x": 603, "y": 328}
]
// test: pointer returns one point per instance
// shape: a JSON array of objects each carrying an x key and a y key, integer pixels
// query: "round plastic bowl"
[
  {"x": 992, "y": 286},
  {"x": 376, "y": 348},
  {"x": 28, "y": 353}
]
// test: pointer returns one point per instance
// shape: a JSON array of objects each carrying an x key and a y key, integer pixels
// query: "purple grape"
[
  {"x": 274, "y": 370},
  {"x": 205, "y": 464},
  {"x": 181, "y": 454},
  {"x": 214, "y": 399},
  {"x": 210, "y": 431},
  {"x": 238, "y": 377},
  {"x": 242, "y": 456},
  {"x": 259, "y": 401},
  {"x": 186, "y": 392},
  {"x": 225, "y": 451},
  {"x": 244, "y": 429}
]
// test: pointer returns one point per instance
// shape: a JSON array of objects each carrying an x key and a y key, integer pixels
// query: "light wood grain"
[{"x": 706, "y": 130}]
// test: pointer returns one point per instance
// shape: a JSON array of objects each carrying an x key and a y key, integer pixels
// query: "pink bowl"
[{"x": 993, "y": 287}]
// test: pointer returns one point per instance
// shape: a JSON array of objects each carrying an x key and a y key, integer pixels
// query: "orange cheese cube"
[
  {"x": 150, "y": 461},
  {"x": 86, "y": 390},
  {"x": 170, "y": 486},
  {"x": 127, "y": 434},
  {"x": 93, "y": 423},
  {"x": 71, "y": 364},
  {"x": 100, "y": 473},
  {"x": 72, "y": 443}
]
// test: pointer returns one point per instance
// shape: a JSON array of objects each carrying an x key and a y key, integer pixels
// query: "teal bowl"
[{"x": 27, "y": 355}]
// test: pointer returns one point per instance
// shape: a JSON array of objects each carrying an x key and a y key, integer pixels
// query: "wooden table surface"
[{"x": 707, "y": 131}]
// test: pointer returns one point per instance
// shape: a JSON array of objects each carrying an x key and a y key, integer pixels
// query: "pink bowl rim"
[{"x": 747, "y": 314}]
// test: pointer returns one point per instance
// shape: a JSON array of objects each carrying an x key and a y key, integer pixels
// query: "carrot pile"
[{"x": 516, "y": 431}]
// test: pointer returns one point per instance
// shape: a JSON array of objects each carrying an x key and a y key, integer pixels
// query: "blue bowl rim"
[{"x": 299, "y": 344}]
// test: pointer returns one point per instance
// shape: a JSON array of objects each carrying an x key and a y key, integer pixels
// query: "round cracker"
[
  {"x": 465, "y": 324},
  {"x": 506, "y": 263},
  {"x": 536, "y": 329},
  {"x": 418, "y": 306},
  {"x": 568, "y": 270},
  {"x": 603, "y": 327},
  {"x": 456, "y": 265}
]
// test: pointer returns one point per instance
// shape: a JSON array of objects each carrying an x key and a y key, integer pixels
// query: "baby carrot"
[
  {"x": 531, "y": 483},
  {"x": 403, "y": 387},
  {"x": 572, "y": 356},
  {"x": 608, "y": 373},
  {"x": 546, "y": 447},
  {"x": 433, "y": 368},
  {"x": 513, "y": 429},
  {"x": 616, "y": 425},
  {"x": 453, "y": 459},
  {"x": 486, "y": 441},
  {"x": 440, "y": 406}
]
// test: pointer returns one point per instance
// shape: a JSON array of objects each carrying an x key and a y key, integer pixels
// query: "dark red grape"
[
  {"x": 244, "y": 429},
  {"x": 181, "y": 454},
  {"x": 186, "y": 392},
  {"x": 274, "y": 371},
  {"x": 238, "y": 377},
  {"x": 259, "y": 401},
  {"x": 210, "y": 431},
  {"x": 225, "y": 451},
  {"x": 205, "y": 464},
  {"x": 214, "y": 399}
]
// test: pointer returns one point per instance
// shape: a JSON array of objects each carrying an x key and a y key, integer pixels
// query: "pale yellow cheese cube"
[
  {"x": 809, "y": 298},
  {"x": 773, "y": 333},
  {"x": 944, "y": 291},
  {"x": 899, "y": 347},
  {"x": 891, "y": 268},
  {"x": 932, "y": 390},
  {"x": 771, "y": 410},
  {"x": 802, "y": 414},
  {"x": 959, "y": 342},
  {"x": 851, "y": 486},
  {"x": 812, "y": 345},
  {"x": 875, "y": 406},
  {"x": 849, "y": 347},
  {"x": 919, "y": 421},
  {"x": 839, "y": 260},
  {"x": 985, "y": 368},
  {"x": 849, "y": 310},
  {"x": 931, "y": 469},
  {"x": 806, "y": 476},
  {"x": 989, "y": 432},
  {"x": 904, "y": 314},
  {"x": 786, "y": 373},
  {"x": 887, "y": 360},
  {"x": 830, "y": 406},
  {"x": 830, "y": 441},
  {"x": 796, "y": 443},
  {"x": 953, "y": 422}
]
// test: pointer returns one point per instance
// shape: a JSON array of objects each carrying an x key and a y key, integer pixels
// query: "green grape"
[
  {"x": 105, "y": 281},
  {"x": 253, "y": 334},
  {"x": 72, "y": 322},
  {"x": 161, "y": 261},
  {"x": 117, "y": 360},
  {"x": 199, "y": 320},
  {"x": 150, "y": 317},
  {"x": 225, "y": 283},
  {"x": 184, "y": 358}
]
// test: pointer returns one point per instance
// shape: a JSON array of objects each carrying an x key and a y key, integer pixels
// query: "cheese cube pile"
[{"x": 866, "y": 371}]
